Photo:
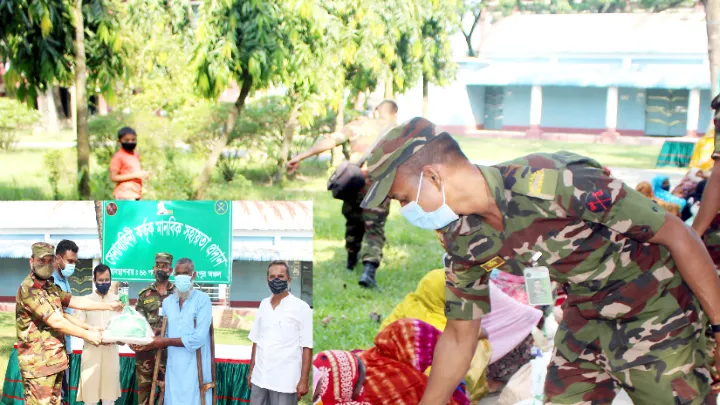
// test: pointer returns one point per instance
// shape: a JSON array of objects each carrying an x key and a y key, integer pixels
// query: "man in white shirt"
[
  {"x": 100, "y": 364},
  {"x": 282, "y": 344}
]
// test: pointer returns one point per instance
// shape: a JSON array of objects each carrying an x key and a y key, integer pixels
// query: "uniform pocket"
[{"x": 684, "y": 391}]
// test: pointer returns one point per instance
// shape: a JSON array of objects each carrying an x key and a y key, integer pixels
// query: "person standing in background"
[
  {"x": 364, "y": 228},
  {"x": 282, "y": 344},
  {"x": 125, "y": 167},
  {"x": 148, "y": 304},
  {"x": 65, "y": 261},
  {"x": 100, "y": 364}
]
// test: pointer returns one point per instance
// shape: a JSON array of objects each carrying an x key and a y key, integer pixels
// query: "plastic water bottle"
[{"x": 123, "y": 293}]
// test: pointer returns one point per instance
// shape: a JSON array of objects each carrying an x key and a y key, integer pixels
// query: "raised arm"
[
  {"x": 710, "y": 204},
  {"x": 86, "y": 304}
]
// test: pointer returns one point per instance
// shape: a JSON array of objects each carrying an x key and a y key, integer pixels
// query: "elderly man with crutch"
[{"x": 190, "y": 375}]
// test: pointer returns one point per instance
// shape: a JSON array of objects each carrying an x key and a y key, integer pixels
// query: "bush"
[
  {"x": 14, "y": 116},
  {"x": 56, "y": 170}
]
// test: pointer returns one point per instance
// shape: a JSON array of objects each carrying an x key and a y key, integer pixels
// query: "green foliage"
[
  {"x": 36, "y": 37},
  {"x": 55, "y": 169},
  {"x": 159, "y": 38},
  {"x": 14, "y": 116},
  {"x": 239, "y": 40},
  {"x": 439, "y": 22},
  {"x": 261, "y": 129}
]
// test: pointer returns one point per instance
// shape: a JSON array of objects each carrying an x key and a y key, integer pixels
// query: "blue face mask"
[
  {"x": 437, "y": 219},
  {"x": 102, "y": 288},
  {"x": 68, "y": 270},
  {"x": 183, "y": 283}
]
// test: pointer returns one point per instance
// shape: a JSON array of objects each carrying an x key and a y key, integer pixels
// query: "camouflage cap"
[
  {"x": 42, "y": 249},
  {"x": 392, "y": 150},
  {"x": 163, "y": 257}
]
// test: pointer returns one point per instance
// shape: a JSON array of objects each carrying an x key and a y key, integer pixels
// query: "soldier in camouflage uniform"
[
  {"x": 148, "y": 304},
  {"x": 41, "y": 328},
  {"x": 635, "y": 275},
  {"x": 364, "y": 228}
]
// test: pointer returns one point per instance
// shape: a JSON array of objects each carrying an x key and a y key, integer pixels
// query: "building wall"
[
  {"x": 631, "y": 111},
  {"x": 706, "y": 113},
  {"x": 476, "y": 96},
  {"x": 516, "y": 107},
  {"x": 580, "y": 108},
  {"x": 250, "y": 281},
  {"x": 13, "y": 273}
]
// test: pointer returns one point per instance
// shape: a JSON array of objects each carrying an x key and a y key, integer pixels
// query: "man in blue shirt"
[
  {"x": 65, "y": 260},
  {"x": 189, "y": 316}
]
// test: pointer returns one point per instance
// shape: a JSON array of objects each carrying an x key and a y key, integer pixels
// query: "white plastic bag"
[
  {"x": 130, "y": 327},
  {"x": 539, "y": 371}
]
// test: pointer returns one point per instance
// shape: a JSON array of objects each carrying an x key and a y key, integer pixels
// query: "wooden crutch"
[
  {"x": 158, "y": 358},
  {"x": 204, "y": 387}
]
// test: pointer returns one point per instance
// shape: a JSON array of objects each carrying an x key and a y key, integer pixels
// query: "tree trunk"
[
  {"x": 426, "y": 101},
  {"x": 203, "y": 179},
  {"x": 339, "y": 124},
  {"x": 49, "y": 112},
  {"x": 290, "y": 128},
  {"x": 98, "y": 220},
  {"x": 83, "y": 132},
  {"x": 389, "y": 88},
  {"x": 468, "y": 41},
  {"x": 712, "y": 15},
  {"x": 58, "y": 100}
]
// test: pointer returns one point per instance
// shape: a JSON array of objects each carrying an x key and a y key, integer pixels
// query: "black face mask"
[
  {"x": 161, "y": 276},
  {"x": 128, "y": 146},
  {"x": 102, "y": 288},
  {"x": 277, "y": 286}
]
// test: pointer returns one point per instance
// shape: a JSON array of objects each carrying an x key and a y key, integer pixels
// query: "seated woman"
[
  {"x": 395, "y": 367},
  {"x": 390, "y": 373},
  {"x": 661, "y": 189},
  {"x": 508, "y": 325},
  {"x": 646, "y": 189}
]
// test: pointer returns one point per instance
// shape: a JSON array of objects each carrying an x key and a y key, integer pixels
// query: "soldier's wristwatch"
[{"x": 715, "y": 328}]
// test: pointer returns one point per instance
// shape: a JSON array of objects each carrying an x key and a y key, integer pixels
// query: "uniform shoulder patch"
[
  {"x": 598, "y": 200},
  {"x": 493, "y": 264},
  {"x": 533, "y": 182}
]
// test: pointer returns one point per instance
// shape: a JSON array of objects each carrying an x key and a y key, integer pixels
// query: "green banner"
[{"x": 134, "y": 231}]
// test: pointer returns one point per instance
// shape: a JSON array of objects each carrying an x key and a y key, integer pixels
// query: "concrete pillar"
[
  {"x": 693, "y": 113},
  {"x": 535, "y": 112},
  {"x": 611, "y": 114}
]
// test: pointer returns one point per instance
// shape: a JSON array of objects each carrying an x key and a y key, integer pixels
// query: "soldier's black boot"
[
  {"x": 352, "y": 261},
  {"x": 367, "y": 279}
]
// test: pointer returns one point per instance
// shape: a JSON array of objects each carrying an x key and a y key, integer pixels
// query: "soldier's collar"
[
  {"x": 171, "y": 286},
  {"x": 468, "y": 224}
]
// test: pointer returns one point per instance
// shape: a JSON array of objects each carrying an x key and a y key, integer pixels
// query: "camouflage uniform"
[
  {"x": 41, "y": 350},
  {"x": 629, "y": 320},
  {"x": 148, "y": 304},
  {"x": 364, "y": 228}
]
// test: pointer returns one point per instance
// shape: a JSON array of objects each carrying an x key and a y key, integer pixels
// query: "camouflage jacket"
[
  {"x": 149, "y": 303},
  {"x": 361, "y": 134},
  {"x": 41, "y": 349},
  {"x": 592, "y": 231}
]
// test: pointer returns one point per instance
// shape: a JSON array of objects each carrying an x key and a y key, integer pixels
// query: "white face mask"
[{"x": 437, "y": 219}]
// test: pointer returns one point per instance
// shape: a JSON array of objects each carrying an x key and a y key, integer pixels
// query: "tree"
[
  {"x": 712, "y": 14},
  {"x": 439, "y": 20},
  {"x": 240, "y": 41},
  {"x": 45, "y": 43},
  {"x": 309, "y": 78}
]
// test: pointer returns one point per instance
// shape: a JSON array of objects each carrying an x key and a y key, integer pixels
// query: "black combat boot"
[
  {"x": 368, "y": 277},
  {"x": 352, "y": 261}
]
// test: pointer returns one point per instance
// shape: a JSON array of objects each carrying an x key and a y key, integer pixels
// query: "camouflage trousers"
[
  {"x": 679, "y": 377},
  {"x": 144, "y": 369},
  {"x": 365, "y": 229},
  {"x": 44, "y": 390}
]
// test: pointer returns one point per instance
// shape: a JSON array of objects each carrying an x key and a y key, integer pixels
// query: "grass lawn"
[{"x": 65, "y": 135}]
